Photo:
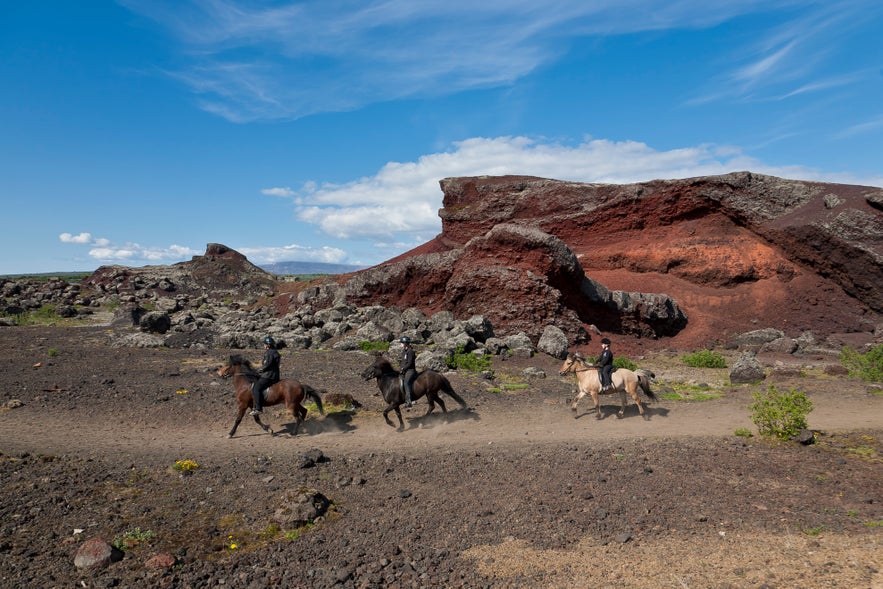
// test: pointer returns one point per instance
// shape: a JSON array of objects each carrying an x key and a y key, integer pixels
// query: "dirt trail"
[{"x": 512, "y": 492}]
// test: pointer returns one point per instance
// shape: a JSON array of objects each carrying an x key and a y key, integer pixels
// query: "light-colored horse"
[{"x": 623, "y": 379}]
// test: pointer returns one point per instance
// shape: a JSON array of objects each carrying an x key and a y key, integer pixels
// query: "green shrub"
[
  {"x": 367, "y": 346},
  {"x": 743, "y": 433},
  {"x": 461, "y": 359},
  {"x": 868, "y": 367},
  {"x": 618, "y": 362},
  {"x": 780, "y": 414},
  {"x": 704, "y": 359}
]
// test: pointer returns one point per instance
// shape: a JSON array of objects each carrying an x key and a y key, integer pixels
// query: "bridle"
[{"x": 570, "y": 367}]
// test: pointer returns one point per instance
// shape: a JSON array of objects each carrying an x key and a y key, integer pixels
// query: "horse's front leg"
[
  {"x": 394, "y": 407},
  {"x": 596, "y": 399},
  {"x": 237, "y": 422},
  {"x": 579, "y": 395}
]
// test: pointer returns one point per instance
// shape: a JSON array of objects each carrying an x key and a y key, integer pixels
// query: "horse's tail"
[
  {"x": 644, "y": 377},
  {"x": 447, "y": 388},
  {"x": 312, "y": 394}
]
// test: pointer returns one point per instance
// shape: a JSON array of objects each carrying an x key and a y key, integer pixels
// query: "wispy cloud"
[
  {"x": 869, "y": 126},
  {"x": 791, "y": 58},
  {"x": 250, "y": 61}
]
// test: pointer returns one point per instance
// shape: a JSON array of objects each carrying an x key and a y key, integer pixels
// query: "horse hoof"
[
  {"x": 229, "y": 436},
  {"x": 646, "y": 417}
]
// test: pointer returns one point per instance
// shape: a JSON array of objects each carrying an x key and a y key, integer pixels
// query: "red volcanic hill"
[{"x": 670, "y": 263}]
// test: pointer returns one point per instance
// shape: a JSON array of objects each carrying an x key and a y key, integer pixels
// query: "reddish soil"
[{"x": 512, "y": 492}]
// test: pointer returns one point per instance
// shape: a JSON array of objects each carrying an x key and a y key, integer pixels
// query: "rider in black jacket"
[
  {"x": 408, "y": 369},
  {"x": 268, "y": 372},
  {"x": 605, "y": 365}
]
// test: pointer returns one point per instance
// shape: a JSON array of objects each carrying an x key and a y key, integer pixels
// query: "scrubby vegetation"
[
  {"x": 780, "y": 414},
  {"x": 463, "y": 360},
  {"x": 868, "y": 366},
  {"x": 704, "y": 359}
]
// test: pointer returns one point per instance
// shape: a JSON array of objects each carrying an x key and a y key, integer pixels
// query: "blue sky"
[{"x": 136, "y": 132}]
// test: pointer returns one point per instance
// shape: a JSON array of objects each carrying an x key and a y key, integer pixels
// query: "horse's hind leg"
[
  {"x": 433, "y": 399},
  {"x": 621, "y": 413},
  {"x": 264, "y": 426},
  {"x": 637, "y": 400}
]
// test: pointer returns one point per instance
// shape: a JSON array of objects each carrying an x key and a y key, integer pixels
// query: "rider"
[
  {"x": 408, "y": 369},
  {"x": 268, "y": 373},
  {"x": 605, "y": 365}
]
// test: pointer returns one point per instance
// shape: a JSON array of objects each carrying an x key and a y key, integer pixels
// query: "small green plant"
[
  {"x": 185, "y": 465},
  {"x": 463, "y": 360},
  {"x": 780, "y": 414},
  {"x": 52, "y": 352},
  {"x": 743, "y": 433},
  {"x": 704, "y": 359},
  {"x": 814, "y": 531},
  {"x": 368, "y": 346},
  {"x": 876, "y": 524},
  {"x": 868, "y": 366},
  {"x": 132, "y": 538}
]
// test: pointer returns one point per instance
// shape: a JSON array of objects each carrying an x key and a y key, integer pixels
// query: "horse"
[
  {"x": 288, "y": 391},
  {"x": 623, "y": 380},
  {"x": 428, "y": 383}
]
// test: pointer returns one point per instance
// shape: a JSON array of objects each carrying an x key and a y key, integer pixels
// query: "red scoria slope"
[{"x": 737, "y": 252}]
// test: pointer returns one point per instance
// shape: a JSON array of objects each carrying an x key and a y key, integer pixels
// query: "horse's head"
[
  {"x": 370, "y": 372},
  {"x": 569, "y": 364},
  {"x": 226, "y": 371}
]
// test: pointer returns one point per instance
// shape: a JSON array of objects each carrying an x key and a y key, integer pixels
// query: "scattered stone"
[{"x": 96, "y": 553}]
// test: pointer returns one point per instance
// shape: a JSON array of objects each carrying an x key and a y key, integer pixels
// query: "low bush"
[
  {"x": 780, "y": 414},
  {"x": 463, "y": 360},
  {"x": 704, "y": 359},
  {"x": 868, "y": 366}
]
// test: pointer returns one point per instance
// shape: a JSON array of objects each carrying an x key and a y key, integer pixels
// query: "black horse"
[{"x": 428, "y": 383}]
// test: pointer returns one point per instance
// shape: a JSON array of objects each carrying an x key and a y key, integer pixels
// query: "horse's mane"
[
  {"x": 237, "y": 360},
  {"x": 384, "y": 365}
]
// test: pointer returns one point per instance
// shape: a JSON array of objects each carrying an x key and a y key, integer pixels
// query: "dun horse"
[
  {"x": 428, "y": 383},
  {"x": 288, "y": 391},
  {"x": 624, "y": 380}
]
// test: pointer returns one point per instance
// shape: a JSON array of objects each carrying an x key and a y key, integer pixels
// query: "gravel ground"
[{"x": 512, "y": 492}]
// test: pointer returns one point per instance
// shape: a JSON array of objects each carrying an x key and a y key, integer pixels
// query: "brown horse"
[
  {"x": 624, "y": 380},
  {"x": 428, "y": 383},
  {"x": 288, "y": 391}
]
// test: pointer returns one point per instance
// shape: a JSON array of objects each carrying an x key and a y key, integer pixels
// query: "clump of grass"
[
  {"x": 681, "y": 391},
  {"x": 704, "y": 359},
  {"x": 368, "y": 346},
  {"x": 868, "y": 366},
  {"x": 780, "y": 414},
  {"x": 743, "y": 433},
  {"x": 132, "y": 538}
]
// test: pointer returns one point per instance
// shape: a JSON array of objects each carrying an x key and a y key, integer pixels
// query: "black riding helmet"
[
  {"x": 405, "y": 340},
  {"x": 270, "y": 341},
  {"x": 605, "y": 341}
]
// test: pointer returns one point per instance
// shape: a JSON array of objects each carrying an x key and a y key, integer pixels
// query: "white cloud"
[
  {"x": 103, "y": 251},
  {"x": 404, "y": 198},
  {"x": 288, "y": 253}
]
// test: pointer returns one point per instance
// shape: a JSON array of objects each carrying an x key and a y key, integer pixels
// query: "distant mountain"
[{"x": 289, "y": 268}]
